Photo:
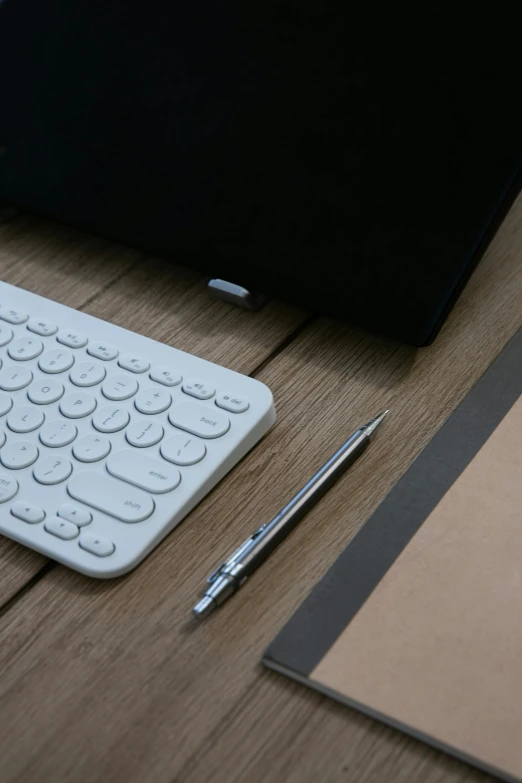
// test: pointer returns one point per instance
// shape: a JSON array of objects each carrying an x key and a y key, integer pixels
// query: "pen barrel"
[{"x": 279, "y": 527}]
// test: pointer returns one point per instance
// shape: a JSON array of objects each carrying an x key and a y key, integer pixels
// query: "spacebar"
[{"x": 111, "y": 496}]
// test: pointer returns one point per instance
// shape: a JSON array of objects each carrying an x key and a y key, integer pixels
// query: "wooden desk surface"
[{"x": 110, "y": 681}]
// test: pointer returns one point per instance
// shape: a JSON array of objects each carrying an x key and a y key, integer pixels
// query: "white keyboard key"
[
  {"x": 58, "y": 433},
  {"x": 12, "y": 315},
  {"x": 91, "y": 448},
  {"x": 101, "y": 547},
  {"x": 71, "y": 338},
  {"x": 2, "y": 438},
  {"x": 199, "y": 420},
  {"x": 116, "y": 498},
  {"x": 183, "y": 449},
  {"x": 52, "y": 470},
  {"x": 232, "y": 403},
  {"x": 27, "y": 512},
  {"x": 18, "y": 454},
  {"x": 61, "y": 528},
  {"x": 43, "y": 392},
  {"x": 75, "y": 514},
  {"x": 153, "y": 400},
  {"x": 143, "y": 433},
  {"x": 120, "y": 387},
  {"x": 5, "y": 403},
  {"x": 87, "y": 374},
  {"x": 6, "y": 334},
  {"x": 25, "y": 348},
  {"x": 56, "y": 360},
  {"x": 143, "y": 471},
  {"x": 110, "y": 419},
  {"x": 199, "y": 389},
  {"x": 42, "y": 326},
  {"x": 133, "y": 363},
  {"x": 25, "y": 419},
  {"x": 165, "y": 375},
  {"x": 104, "y": 351},
  {"x": 77, "y": 405},
  {"x": 15, "y": 377},
  {"x": 8, "y": 487}
]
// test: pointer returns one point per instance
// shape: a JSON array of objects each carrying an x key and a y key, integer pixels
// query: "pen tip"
[
  {"x": 374, "y": 423},
  {"x": 204, "y": 607}
]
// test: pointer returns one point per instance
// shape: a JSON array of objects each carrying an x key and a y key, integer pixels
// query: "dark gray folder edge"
[{"x": 335, "y": 600}]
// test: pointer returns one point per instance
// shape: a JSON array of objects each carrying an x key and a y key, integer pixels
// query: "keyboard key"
[
  {"x": 42, "y": 326},
  {"x": 143, "y": 471},
  {"x": 71, "y": 338},
  {"x": 104, "y": 351},
  {"x": 27, "y": 512},
  {"x": 13, "y": 316},
  {"x": 8, "y": 487},
  {"x": 183, "y": 449},
  {"x": 153, "y": 400},
  {"x": 18, "y": 454},
  {"x": 77, "y": 405},
  {"x": 199, "y": 420},
  {"x": 165, "y": 375},
  {"x": 91, "y": 448},
  {"x": 116, "y": 498},
  {"x": 110, "y": 419},
  {"x": 43, "y": 392},
  {"x": 232, "y": 403},
  {"x": 199, "y": 389},
  {"x": 14, "y": 378},
  {"x": 6, "y": 334},
  {"x": 2, "y": 438},
  {"x": 24, "y": 348},
  {"x": 101, "y": 547},
  {"x": 58, "y": 433},
  {"x": 61, "y": 528},
  {"x": 25, "y": 419},
  {"x": 79, "y": 516},
  {"x": 52, "y": 470},
  {"x": 5, "y": 403},
  {"x": 143, "y": 433},
  {"x": 120, "y": 387},
  {"x": 56, "y": 360},
  {"x": 87, "y": 374},
  {"x": 133, "y": 363}
]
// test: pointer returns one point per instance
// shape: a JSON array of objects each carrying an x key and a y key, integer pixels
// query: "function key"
[
  {"x": 6, "y": 334},
  {"x": 104, "y": 351},
  {"x": 55, "y": 361},
  {"x": 75, "y": 514},
  {"x": 165, "y": 375},
  {"x": 72, "y": 339},
  {"x": 198, "y": 389},
  {"x": 13, "y": 316},
  {"x": 133, "y": 363},
  {"x": 87, "y": 374},
  {"x": 232, "y": 403},
  {"x": 8, "y": 487},
  {"x": 119, "y": 387},
  {"x": 42, "y": 327},
  {"x": 27, "y": 512},
  {"x": 101, "y": 547},
  {"x": 24, "y": 348}
]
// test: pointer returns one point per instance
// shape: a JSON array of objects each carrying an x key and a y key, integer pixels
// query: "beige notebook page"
[{"x": 438, "y": 644}]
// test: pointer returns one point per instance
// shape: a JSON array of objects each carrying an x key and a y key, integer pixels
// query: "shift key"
[{"x": 113, "y": 497}]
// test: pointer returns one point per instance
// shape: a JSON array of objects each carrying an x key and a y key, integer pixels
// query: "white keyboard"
[{"x": 107, "y": 438}]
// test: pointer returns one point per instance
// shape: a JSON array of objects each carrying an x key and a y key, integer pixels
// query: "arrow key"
[
  {"x": 27, "y": 512},
  {"x": 101, "y": 547},
  {"x": 61, "y": 529},
  {"x": 79, "y": 516}
]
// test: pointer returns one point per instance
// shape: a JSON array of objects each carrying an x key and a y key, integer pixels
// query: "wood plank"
[
  {"x": 120, "y": 683},
  {"x": 72, "y": 267}
]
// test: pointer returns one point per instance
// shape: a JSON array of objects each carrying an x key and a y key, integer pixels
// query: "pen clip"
[{"x": 234, "y": 557}]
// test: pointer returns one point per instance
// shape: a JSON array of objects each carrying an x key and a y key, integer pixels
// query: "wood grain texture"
[
  {"x": 113, "y": 681},
  {"x": 154, "y": 297}
]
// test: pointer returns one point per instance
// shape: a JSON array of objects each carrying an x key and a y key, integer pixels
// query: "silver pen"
[{"x": 233, "y": 572}]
